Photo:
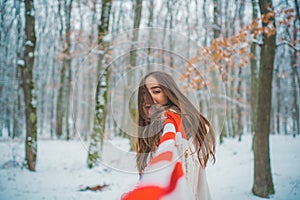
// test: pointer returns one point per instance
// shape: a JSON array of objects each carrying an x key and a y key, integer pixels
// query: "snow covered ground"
[{"x": 62, "y": 172}]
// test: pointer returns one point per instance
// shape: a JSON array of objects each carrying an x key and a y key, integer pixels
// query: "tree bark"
[
  {"x": 62, "y": 112},
  {"x": 17, "y": 114},
  {"x": 263, "y": 183},
  {"x": 295, "y": 111},
  {"x": 216, "y": 25},
  {"x": 101, "y": 100},
  {"x": 135, "y": 33},
  {"x": 150, "y": 24},
  {"x": 67, "y": 61},
  {"x": 17, "y": 128},
  {"x": 28, "y": 87},
  {"x": 278, "y": 98},
  {"x": 60, "y": 96},
  {"x": 215, "y": 72},
  {"x": 239, "y": 127},
  {"x": 205, "y": 24},
  {"x": 296, "y": 115},
  {"x": 254, "y": 74},
  {"x": 133, "y": 59}
]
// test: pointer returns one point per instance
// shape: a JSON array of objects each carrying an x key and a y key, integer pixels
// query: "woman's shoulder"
[
  {"x": 173, "y": 114},
  {"x": 173, "y": 111}
]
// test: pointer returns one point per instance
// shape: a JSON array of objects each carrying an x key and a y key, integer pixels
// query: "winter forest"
[{"x": 69, "y": 74}]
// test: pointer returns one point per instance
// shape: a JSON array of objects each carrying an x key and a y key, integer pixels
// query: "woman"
[{"x": 161, "y": 103}]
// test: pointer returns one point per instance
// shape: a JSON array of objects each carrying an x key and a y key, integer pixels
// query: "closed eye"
[{"x": 156, "y": 91}]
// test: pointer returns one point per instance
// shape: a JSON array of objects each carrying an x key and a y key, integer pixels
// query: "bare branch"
[{"x": 289, "y": 44}]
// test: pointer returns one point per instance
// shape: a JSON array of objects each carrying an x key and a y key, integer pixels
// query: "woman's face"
[{"x": 155, "y": 91}]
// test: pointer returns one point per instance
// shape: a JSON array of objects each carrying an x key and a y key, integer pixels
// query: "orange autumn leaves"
[{"x": 225, "y": 54}]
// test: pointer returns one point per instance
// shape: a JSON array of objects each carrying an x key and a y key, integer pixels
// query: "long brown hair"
[{"x": 150, "y": 130}]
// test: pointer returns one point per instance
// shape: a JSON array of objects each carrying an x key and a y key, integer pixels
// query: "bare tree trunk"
[
  {"x": 296, "y": 117},
  {"x": 285, "y": 118},
  {"x": 53, "y": 102},
  {"x": 150, "y": 24},
  {"x": 171, "y": 43},
  {"x": 101, "y": 101},
  {"x": 62, "y": 112},
  {"x": 60, "y": 106},
  {"x": 67, "y": 62},
  {"x": 121, "y": 14},
  {"x": 216, "y": 25},
  {"x": 87, "y": 88},
  {"x": 135, "y": 33},
  {"x": 162, "y": 54},
  {"x": 297, "y": 9},
  {"x": 278, "y": 96},
  {"x": 217, "y": 32},
  {"x": 239, "y": 128},
  {"x": 295, "y": 111},
  {"x": 254, "y": 74},
  {"x": 231, "y": 120},
  {"x": 205, "y": 23},
  {"x": 263, "y": 183},
  {"x": 28, "y": 87},
  {"x": 230, "y": 89},
  {"x": 17, "y": 129},
  {"x": 17, "y": 124},
  {"x": 133, "y": 58}
]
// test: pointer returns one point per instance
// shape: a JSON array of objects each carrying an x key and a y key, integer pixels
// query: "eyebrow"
[{"x": 154, "y": 87}]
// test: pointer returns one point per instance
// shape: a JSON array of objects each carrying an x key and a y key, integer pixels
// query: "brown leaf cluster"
[{"x": 225, "y": 54}]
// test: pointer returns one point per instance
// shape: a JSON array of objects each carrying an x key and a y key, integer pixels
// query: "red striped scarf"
[{"x": 164, "y": 178}]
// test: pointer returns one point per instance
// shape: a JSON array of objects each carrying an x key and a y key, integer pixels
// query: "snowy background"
[{"x": 61, "y": 171}]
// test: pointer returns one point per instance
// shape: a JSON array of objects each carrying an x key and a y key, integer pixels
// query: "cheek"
[{"x": 161, "y": 98}]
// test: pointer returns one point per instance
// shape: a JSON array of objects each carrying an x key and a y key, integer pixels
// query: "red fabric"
[
  {"x": 147, "y": 189},
  {"x": 175, "y": 119},
  {"x": 176, "y": 175},
  {"x": 167, "y": 136},
  {"x": 165, "y": 156},
  {"x": 153, "y": 192}
]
